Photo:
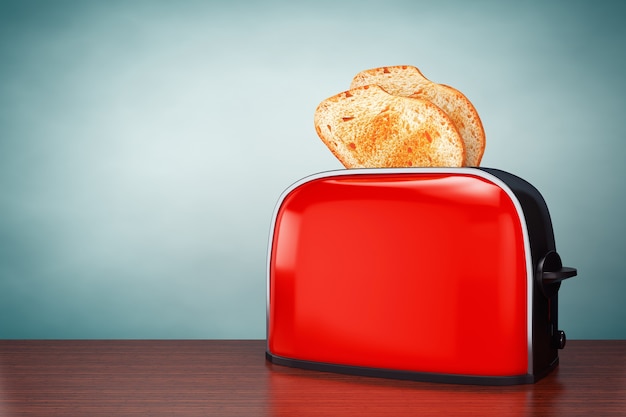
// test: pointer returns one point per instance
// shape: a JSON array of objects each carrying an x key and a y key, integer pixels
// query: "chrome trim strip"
[{"x": 466, "y": 171}]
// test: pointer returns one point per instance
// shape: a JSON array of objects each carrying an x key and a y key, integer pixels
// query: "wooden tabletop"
[{"x": 232, "y": 378}]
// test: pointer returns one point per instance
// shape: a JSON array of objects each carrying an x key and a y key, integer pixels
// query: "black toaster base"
[{"x": 410, "y": 375}]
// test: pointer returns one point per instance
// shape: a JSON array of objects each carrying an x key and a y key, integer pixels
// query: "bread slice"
[
  {"x": 408, "y": 81},
  {"x": 366, "y": 127}
]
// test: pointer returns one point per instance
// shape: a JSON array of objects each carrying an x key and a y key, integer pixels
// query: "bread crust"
[
  {"x": 408, "y": 81},
  {"x": 366, "y": 127}
]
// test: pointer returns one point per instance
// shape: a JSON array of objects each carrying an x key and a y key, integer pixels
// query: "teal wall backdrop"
[{"x": 143, "y": 145}]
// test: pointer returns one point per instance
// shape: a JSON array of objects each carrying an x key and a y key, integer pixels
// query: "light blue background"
[{"x": 143, "y": 145}]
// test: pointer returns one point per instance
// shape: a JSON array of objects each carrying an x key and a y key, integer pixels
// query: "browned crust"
[
  {"x": 367, "y": 127},
  {"x": 408, "y": 81}
]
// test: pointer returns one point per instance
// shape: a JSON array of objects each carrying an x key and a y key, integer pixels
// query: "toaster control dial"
[{"x": 559, "y": 339}]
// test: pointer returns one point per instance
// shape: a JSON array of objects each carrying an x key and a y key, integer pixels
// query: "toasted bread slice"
[
  {"x": 366, "y": 127},
  {"x": 408, "y": 81}
]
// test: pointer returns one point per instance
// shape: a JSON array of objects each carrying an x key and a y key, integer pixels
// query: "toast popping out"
[
  {"x": 408, "y": 81},
  {"x": 367, "y": 127}
]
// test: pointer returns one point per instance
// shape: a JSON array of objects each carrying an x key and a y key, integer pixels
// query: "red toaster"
[{"x": 428, "y": 274}]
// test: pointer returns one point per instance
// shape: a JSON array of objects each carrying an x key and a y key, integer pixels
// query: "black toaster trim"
[
  {"x": 410, "y": 375},
  {"x": 536, "y": 214},
  {"x": 546, "y": 336}
]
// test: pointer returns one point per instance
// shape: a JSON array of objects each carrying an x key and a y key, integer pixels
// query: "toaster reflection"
[{"x": 295, "y": 392}]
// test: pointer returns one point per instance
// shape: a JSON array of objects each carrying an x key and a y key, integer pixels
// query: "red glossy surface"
[{"x": 418, "y": 272}]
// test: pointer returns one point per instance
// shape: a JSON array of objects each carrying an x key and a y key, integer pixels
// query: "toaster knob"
[{"x": 559, "y": 339}]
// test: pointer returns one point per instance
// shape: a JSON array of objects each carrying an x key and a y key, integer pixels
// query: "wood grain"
[{"x": 232, "y": 378}]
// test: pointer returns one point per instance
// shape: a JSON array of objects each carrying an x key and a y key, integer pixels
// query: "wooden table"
[{"x": 232, "y": 378}]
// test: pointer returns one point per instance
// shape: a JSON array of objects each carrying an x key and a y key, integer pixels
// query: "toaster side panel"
[
  {"x": 541, "y": 241},
  {"x": 420, "y": 272}
]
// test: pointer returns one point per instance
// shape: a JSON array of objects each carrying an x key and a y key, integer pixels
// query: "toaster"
[{"x": 428, "y": 274}]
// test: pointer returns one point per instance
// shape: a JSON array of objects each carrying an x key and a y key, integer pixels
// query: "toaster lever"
[
  {"x": 564, "y": 272},
  {"x": 550, "y": 273}
]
